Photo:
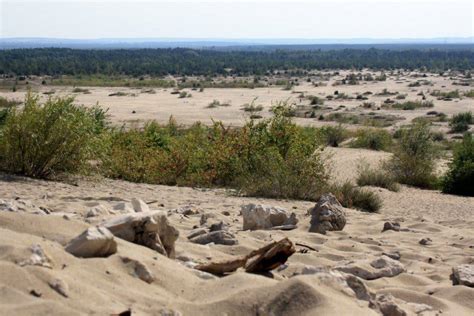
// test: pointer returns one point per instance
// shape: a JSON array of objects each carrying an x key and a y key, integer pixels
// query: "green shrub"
[
  {"x": 372, "y": 138},
  {"x": 376, "y": 177},
  {"x": 42, "y": 140},
  {"x": 332, "y": 135},
  {"x": 352, "y": 196},
  {"x": 460, "y": 177},
  {"x": 460, "y": 122},
  {"x": 413, "y": 161}
]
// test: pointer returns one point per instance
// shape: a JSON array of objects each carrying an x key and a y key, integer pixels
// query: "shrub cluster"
[
  {"x": 414, "y": 157},
  {"x": 352, "y": 196},
  {"x": 43, "y": 140},
  {"x": 460, "y": 122}
]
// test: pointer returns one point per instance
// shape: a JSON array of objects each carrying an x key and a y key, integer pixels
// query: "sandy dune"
[{"x": 105, "y": 286}]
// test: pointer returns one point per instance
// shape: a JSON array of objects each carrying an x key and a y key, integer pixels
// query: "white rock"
[
  {"x": 97, "y": 211},
  {"x": 258, "y": 216},
  {"x": 463, "y": 275},
  {"x": 372, "y": 269},
  {"x": 93, "y": 242},
  {"x": 150, "y": 229}
]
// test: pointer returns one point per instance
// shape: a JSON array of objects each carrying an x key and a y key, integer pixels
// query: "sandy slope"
[{"x": 105, "y": 286}]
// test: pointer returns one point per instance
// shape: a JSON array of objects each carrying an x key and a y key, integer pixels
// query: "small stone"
[
  {"x": 391, "y": 226},
  {"x": 139, "y": 206},
  {"x": 425, "y": 241},
  {"x": 38, "y": 258},
  {"x": 395, "y": 255},
  {"x": 388, "y": 307},
  {"x": 139, "y": 269},
  {"x": 218, "y": 226},
  {"x": 196, "y": 232},
  {"x": 59, "y": 286},
  {"x": 219, "y": 237},
  {"x": 36, "y": 293}
]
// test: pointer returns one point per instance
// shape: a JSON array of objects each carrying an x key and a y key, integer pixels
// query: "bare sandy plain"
[
  {"x": 109, "y": 286},
  {"x": 137, "y": 106}
]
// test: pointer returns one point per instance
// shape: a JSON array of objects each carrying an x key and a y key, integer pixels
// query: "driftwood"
[{"x": 261, "y": 260}]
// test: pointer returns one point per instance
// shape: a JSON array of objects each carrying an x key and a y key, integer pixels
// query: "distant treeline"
[{"x": 184, "y": 61}]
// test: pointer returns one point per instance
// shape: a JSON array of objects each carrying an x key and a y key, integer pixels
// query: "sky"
[{"x": 237, "y": 19}]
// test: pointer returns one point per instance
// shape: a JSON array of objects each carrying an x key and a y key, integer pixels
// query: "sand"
[
  {"x": 161, "y": 105},
  {"x": 105, "y": 286}
]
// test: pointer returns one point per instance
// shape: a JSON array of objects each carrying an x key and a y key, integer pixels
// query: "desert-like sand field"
[
  {"x": 107, "y": 286},
  {"x": 361, "y": 270}
]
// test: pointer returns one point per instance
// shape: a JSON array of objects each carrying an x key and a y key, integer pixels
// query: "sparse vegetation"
[
  {"x": 367, "y": 176},
  {"x": 446, "y": 95},
  {"x": 81, "y": 90},
  {"x": 217, "y": 103},
  {"x": 412, "y": 105}
]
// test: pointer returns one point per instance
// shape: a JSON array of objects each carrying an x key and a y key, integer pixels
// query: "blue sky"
[{"x": 237, "y": 19}]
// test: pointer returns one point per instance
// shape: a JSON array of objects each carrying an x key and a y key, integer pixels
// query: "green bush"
[
  {"x": 42, "y": 140},
  {"x": 367, "y": 176},
  {"x": 460, "y": 122},
  {"x": 372, "y": 138},
  {"x": 413, "y": 161},
  {"x": 352, "y": 196},
  {"x": 460, "y": 176},
  {"x": 332, "y": 135}
]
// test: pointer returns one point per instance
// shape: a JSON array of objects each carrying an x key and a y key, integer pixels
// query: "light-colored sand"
[
  {"x": 163, "y": 104},
  {"x": 104, "y": 286}
]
